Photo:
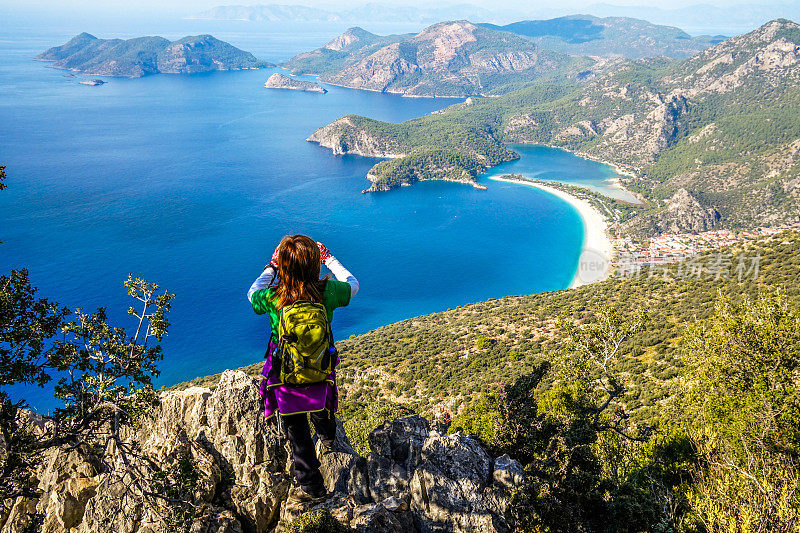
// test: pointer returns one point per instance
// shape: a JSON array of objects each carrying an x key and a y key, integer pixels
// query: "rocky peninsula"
[{"x": 280, "y": 81}]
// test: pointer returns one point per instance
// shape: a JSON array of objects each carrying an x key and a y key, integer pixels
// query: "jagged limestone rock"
[
  {"x": 400, "y": 440},
  {"x": 21, "y": 515},
  {"x": 67, "y": 504},
  {"x": 388, "y": 516},
  {"x": 414, "y": 479},
  {"x": 386, "y": 478},
  {"x": 216, "y": 520},
  {"x": 229, "y": 424},
  {"x": 448, "y": 488}
]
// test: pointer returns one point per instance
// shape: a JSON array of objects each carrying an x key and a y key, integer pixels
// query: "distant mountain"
[
  {"x": 446, "y": 59},
  {"x": 741, "y": 16},
  {"x": 148, "y": 55},
  {"x": 721, "y": 126},
  {"x": 613, "y": 36},
  {"x": 271, "y": 13},
  {"x": 371, "y": 12}
]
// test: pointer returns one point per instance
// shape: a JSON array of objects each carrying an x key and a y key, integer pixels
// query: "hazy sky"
[
  {"x": 192, "y": 6},
  {"x": 506, "y": 10}
]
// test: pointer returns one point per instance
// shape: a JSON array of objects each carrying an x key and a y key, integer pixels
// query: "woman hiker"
[{"x": 299, "y": 376}]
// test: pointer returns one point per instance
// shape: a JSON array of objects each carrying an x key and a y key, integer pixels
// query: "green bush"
[{"x": 319, "y": 521}]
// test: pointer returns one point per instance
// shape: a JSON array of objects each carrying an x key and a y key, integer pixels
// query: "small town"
[{"x": 673, "y": 247}]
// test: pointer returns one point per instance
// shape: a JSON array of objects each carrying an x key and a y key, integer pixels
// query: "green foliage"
[
  {"x": 2, "y": 177},
  {"x": 359, "y": 418},
  {"x": 485, "y": 419},
  {"x": 742, "y": 406},
  {"x": 104, "y": 374},
  {"x": 319, "y": 521},
  {"x": 589, "y": 380},
  {"x": 175, "y": 487},
  {"x": 106, "y": 370},
  {"x": 426, "y": 165},
  {"x": 27, "y": 324}
]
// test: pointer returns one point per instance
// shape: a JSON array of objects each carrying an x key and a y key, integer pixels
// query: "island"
[
  {"x": 280, "y": 81},
  {"x": 93, "y": 83},
  {"x": 133, "y": 58}
]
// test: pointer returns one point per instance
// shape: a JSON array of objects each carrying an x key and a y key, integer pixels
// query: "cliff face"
[
  {"x": 148, "y": 55},
  {"x": 413, "y": 479},
  {"x": 446, "y": 59}
]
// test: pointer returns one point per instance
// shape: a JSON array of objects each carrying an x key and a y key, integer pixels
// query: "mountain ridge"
[
  {"x": 609, "y": 36},
  {"x": 454, "y": 59}
]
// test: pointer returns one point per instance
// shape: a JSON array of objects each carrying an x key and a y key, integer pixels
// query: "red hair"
[{"x": 298, "y": 271}]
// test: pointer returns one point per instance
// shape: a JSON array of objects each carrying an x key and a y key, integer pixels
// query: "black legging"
[{"x": 306, "y": 464}]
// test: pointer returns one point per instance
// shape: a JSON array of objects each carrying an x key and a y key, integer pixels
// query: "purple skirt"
[{"x": 292, "y": 399}]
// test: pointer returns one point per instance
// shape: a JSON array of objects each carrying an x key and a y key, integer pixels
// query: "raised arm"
[
  {"x": 338, "y": 270},
  {"x": 265, "y": 279}
]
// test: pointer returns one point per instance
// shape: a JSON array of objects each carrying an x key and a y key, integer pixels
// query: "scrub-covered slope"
[{"x": 446, "y": 59}]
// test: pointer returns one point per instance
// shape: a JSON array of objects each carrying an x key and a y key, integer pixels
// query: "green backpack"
[{"x": 305, "y": 343}]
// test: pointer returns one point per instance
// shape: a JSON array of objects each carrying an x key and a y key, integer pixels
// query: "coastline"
[{"x": 595, "y": 260}]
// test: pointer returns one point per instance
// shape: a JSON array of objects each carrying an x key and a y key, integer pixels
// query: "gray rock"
[
  {"x": 343, "y": 469},
  {"x": 448, "y": 487},
  {"x": 507, "y": 473},
  {"x": 386, "y": 478},
  {"x": 390, "y": 516},
  {"x": 400, "y": 440}
]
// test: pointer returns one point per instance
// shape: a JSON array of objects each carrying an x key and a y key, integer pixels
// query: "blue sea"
[{"x": 190, "y": 182}]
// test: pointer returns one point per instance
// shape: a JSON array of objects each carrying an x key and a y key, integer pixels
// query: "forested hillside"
[
  {"x": 722, "y": 125},
  {"x": 609, "y": 36}
]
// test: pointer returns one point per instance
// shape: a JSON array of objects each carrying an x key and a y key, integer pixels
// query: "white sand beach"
[{"x": 595, "y": 260}]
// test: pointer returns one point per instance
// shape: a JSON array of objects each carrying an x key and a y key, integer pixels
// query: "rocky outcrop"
[
  {"x": 279, "y": 81},
  {"x": 683, "y": 214},
  {"x": 148, "y": 55},
  {"x": 350, "y": 135},
  {"x": 413, "y": 479}
]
